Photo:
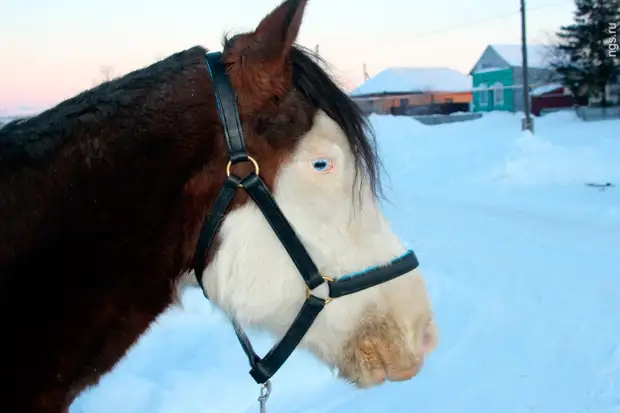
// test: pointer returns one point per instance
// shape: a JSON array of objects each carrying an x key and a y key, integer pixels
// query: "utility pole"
[
  {"x": 316, "y": 52},
  {"x": 366, "y": 77},
  {"x": 528, "y": 122}
]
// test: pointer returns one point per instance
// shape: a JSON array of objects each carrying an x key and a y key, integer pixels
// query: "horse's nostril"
[{"x": 403, "y": 374}]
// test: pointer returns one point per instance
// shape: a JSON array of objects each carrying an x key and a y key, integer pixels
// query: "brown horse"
[{"x": 103, "y": 197}]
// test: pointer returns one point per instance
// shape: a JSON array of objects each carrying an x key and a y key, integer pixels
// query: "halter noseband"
[{"x": 262, "y": 369}]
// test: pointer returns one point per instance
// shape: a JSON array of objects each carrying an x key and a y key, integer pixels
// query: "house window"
[
  {"x": 498, "y": 95},
  {"x": 483, "y": 95}
]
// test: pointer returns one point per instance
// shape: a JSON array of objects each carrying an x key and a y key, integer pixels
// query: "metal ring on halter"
[
  {"x": 256, "y": 167},
  {"x": 327, "y": 279}
]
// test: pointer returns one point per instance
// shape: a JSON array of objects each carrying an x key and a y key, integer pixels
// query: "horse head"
[{"x": 317, "y": 155}]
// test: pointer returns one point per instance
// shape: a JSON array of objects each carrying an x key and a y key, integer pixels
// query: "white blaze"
[{"x": 253, "y": 278}]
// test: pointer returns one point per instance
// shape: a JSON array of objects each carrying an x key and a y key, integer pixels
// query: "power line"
[
  {"x": 475, "y": 22},
  {"x": 489, "y": 18}
]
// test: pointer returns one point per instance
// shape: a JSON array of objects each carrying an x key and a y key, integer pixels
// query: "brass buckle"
[
  {"x": 252, "y": 160},
  {"x": 309, "y": 292}
]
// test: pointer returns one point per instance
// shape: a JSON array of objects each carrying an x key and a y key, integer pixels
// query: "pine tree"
[{"x": 586, "y": 60}]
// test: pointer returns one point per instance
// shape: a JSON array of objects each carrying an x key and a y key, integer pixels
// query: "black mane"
[
  {"x": 31, "y": 140},
  {"x": 322, "y": 91}
]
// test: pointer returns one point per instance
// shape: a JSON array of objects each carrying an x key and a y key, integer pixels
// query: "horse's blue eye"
[{"x": 321, "y": 165}]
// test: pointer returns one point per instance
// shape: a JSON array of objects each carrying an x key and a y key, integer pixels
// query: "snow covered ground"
[{"x": 522, "y": 261}]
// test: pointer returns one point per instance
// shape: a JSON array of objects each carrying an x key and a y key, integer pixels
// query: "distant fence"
[
  {"x": 590, "y": 114},
  {"x": 431, "y": 114},
  {"x": 441, "y": 119},
  {"x": 446, "y": 108}
]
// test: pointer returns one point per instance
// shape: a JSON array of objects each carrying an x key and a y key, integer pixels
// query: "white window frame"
[
  {"x": 498, "y": 87},
  {"x": 483, "y": 93}
]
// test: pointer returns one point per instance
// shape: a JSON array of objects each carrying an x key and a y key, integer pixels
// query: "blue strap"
[{"x": 358, "y": 281}]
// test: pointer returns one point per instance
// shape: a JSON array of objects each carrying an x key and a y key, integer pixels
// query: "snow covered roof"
[
  {"x": 415, "y": 79},
  {"x": 550, "y": 87},
  {"x": 537, "y": 54}
]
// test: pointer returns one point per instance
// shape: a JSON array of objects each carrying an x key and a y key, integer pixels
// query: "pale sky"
[{"x": 51, "y": 50}]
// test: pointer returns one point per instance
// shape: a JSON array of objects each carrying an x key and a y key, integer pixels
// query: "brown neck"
[{"x": 98, "y": 233}]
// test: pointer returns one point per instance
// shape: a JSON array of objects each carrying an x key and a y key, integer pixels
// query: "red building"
[{"x": 550, "y": 96}]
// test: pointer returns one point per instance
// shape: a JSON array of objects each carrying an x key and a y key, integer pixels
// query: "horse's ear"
[
  {"x": 279, "y": 29},
  {"x": 258, "y": 64}
]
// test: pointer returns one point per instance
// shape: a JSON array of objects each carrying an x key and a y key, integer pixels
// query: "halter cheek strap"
[{"x": 262, "y": 369}]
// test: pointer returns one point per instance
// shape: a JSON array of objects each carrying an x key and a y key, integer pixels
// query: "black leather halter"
[{"x": 264, "y": 368}]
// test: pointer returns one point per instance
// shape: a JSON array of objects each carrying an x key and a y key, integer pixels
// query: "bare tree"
[
  {"x": 107, "y": 72},
  {"x": 555, "y": 57},
  {"x": 552, "y": 54}
]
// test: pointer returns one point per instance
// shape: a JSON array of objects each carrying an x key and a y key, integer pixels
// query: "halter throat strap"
[{"x": 262, "y": 369}]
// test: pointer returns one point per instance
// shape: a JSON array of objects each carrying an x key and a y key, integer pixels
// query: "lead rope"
[
  {"x": 265, "y": 391},
  {"x": 265, "y": 388}
]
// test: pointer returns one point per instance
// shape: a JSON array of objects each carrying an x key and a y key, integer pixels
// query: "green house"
[{"x": 497, "y": 76}]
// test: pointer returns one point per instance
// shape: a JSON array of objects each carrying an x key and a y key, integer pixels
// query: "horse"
[{"x": 105, "y": 200}]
